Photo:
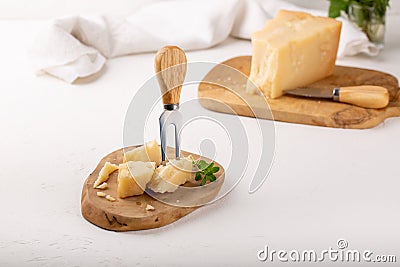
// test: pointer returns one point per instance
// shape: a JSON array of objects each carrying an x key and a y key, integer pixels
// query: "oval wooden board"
[
  {"x": 130, "y": 213},
  {"x": 295, "y": 109}
]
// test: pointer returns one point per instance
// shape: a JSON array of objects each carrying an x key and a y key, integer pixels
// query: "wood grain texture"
[
  {"x": 296, "y": 109},
  {"x": 130, "y": 213},
  {"x": 170, "y": 66}
]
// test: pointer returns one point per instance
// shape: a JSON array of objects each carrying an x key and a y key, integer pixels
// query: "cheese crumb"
[
  {"x": 101, "y": 194},
  {"x": 110, "y": 198},
  {"x": 102, "y": 186},
  {"x": 149, "y": 207}
]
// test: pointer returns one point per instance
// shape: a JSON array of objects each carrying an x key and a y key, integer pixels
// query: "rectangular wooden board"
[{"x": 223, "y": 90}]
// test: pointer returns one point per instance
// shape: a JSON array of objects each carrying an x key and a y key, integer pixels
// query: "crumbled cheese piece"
[
  {"x": 151, "y": 152},
  {"x": 104, "y": 173},
  {"x": 133, "y": 177},
  {"x": 149, "y": 207},
  {"x": 168, "y": 178},
  {"x": 101, "y": 194},
  {"x": 102, "y": 186},
  {"x": 110, "y": 198}
]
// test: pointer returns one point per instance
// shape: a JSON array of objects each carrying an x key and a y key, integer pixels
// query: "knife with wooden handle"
[{"x": 366, "y": 96}]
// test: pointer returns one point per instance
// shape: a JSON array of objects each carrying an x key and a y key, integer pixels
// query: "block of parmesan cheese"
[
  {"x": 293, "y": 50},
  {"x": 133, "y": 177}
]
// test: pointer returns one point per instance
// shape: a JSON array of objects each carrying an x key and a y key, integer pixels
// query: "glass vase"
[{"x": 370, "y": 21}]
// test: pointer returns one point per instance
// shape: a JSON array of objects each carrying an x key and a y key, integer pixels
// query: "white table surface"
[{"x": 325, "y": 184}]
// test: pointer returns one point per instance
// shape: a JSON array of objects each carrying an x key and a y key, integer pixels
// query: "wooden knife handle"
[
  {"x": 170, "y": 66},
  {"x": 366, "y": 96}
]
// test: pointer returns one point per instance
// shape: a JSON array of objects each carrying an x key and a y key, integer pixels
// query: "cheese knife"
[
  {"x": 366, "y": 96},
  {"x": 170, "y": 66}
]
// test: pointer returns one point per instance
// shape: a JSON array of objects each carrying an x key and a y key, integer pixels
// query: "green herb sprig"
[
  {"x": 368, "y": 15},
  {"x": 205, "y": 171},
  {"x": 336, "y": 6}
]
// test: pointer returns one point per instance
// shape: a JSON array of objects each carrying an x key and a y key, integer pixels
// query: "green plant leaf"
[
  {"x": 205, "y": 171},
  {"x": 214, "y": 169},
  {"x": 212, "y": 178},
  {"x": 198, "y": 176},
  {"x": 209, "y": 167},
  {"x": 336, "y": 6},
  {"x": 201, "y": 164}
]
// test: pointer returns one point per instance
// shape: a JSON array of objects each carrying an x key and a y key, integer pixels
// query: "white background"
[{"x": 325, "y": 183}]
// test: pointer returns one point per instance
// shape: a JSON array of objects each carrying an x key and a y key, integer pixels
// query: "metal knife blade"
[{"x": 312, "y": 92}]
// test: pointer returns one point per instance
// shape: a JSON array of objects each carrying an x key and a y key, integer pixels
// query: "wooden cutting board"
[
  {"x": 295, "y": 109},
  {"x": 130, "y": 213}
]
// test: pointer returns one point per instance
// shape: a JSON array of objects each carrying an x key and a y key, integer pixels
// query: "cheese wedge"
[
  {"x": 133, "y": 177},
  {"x": 294, "y": 49},
  {"x": 149, "y": 152},
  {"x": 168, "y": 178},
  {"x": 104, "y": 173}
]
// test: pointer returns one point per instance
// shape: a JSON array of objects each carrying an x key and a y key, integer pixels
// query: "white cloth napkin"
[{"x": 77, "y": 46}]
